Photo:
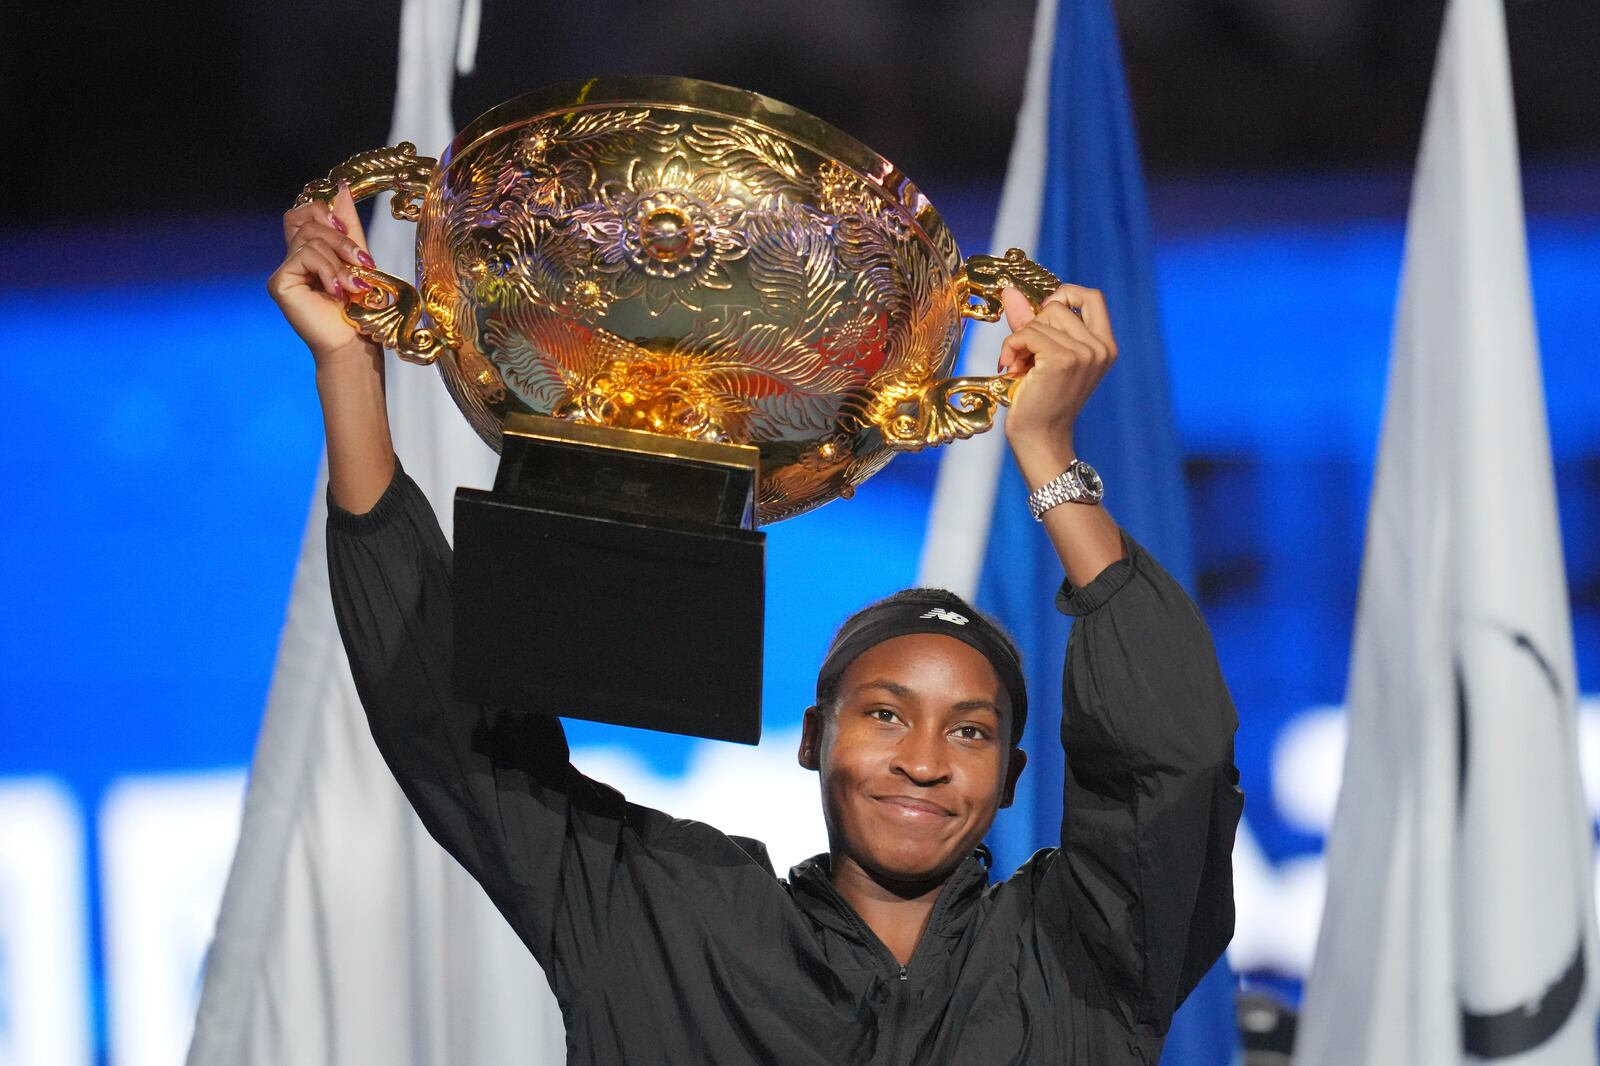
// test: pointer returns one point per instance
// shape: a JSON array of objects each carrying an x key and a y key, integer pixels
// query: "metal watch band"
[{"x": 1078, "y": 483}]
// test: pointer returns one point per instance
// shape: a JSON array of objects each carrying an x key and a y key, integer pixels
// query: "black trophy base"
[{"x": 568, "y": 606}]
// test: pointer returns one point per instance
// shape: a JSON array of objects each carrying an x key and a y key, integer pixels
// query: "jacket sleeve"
[
  {"x": 1143, "y": 879},
  {"x": 495, "y": 788}
]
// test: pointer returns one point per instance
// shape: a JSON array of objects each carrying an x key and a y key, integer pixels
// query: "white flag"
[
  {"x": 347, "y": 936},
  {"x": 1460, "y": 917}
]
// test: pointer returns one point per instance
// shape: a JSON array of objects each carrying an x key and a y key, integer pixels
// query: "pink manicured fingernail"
[
  {"x": 338, "y": 291},
  {"x": 359, "y": 283},
  {"x": 333, "y": 220},
  {"x": 366, "y": 260}
]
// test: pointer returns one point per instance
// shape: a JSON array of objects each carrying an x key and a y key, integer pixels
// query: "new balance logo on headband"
[{"x": 947, "y": 616}]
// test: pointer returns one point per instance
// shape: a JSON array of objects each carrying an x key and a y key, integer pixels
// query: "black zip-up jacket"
[{"x": 666, "y": 941}]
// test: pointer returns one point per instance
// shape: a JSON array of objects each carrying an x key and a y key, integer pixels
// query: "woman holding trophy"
[{"x": 668, "y": 941}]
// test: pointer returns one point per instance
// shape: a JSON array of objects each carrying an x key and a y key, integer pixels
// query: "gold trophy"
[{"x": 678, "y": 310}]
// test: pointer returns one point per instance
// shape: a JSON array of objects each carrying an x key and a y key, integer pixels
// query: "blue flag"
[{"x": 1075, "y": 202}]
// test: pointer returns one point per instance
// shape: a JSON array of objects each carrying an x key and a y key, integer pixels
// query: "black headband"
[{"x": 928, "y": 611}]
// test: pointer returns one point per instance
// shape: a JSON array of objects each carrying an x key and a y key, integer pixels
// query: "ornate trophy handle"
[
  {"x": 398, "y": 169},
  {"x": 391, "y": 311},
  {"x": 956, "y": 408},
  {"x": 946, "y": 410},
  {"x": 983, "y": 278}
]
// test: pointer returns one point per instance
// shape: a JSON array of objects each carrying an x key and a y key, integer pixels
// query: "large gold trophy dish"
[{"x": 678, "y": 310}]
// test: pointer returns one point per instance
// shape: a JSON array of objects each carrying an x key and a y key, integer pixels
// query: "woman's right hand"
[
  {"x": 310, "y": 288},
  {"x": 311, "y": 284}
]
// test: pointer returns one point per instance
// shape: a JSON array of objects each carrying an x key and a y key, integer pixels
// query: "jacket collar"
[{"x": 812, "y": 888}]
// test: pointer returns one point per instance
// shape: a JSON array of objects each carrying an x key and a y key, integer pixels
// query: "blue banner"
[{"x": 1094, "y": 230}]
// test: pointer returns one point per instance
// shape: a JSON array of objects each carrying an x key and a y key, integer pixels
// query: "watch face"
[{"x": 1091, "y": 480}]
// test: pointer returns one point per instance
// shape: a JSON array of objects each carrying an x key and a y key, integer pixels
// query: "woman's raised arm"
[{"x": 310, "y": 286}]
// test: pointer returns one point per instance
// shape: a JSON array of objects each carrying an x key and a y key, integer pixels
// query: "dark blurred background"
[
  {"x": 168, "y": 108},
  {"x": 162, "y": 433}
]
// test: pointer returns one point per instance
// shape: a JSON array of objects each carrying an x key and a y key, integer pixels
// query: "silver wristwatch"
[{"x": 1078, "y": 483}]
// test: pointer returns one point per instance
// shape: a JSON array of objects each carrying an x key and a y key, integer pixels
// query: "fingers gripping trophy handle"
[
  {"x": 956, "y": 408},
  {"x": 982, "y": 278},
  {"x": 391, "y": 311}
]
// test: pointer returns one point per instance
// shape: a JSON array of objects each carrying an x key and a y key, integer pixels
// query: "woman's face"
[{"x": 915, "y": 757}]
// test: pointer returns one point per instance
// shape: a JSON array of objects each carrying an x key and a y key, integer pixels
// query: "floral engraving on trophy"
[
  {"x": 667, "y": 393},
  {"x": 665, "y": 233},
  {"x": 764, "y": 165},
  {"x": 543, "y": 357},
  {"x": 857, "y": 337},
  {"x": 839, "y": 192},
  {"x": 585, "y": 297},
  {"x": 553, "y": 185},
  {"x": 484, "y": 263},
  {"x": 794, "y": 272},
  {"x": 551, "y": 164},
  {"x": 552, "y": 264},
  {"x": 707, "y": 278},
  {"x": 839, "y": 288}
]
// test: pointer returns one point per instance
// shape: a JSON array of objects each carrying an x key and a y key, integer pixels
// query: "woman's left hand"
[{"x": 1062, "y": 351}]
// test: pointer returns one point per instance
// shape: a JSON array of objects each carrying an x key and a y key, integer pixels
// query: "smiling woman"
[
  {"x": 892, "y": 947},
  {"x": 666, "y": 940},
  {"x": 920, "y": 707},
  {"x": 916, "y": 761}
]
